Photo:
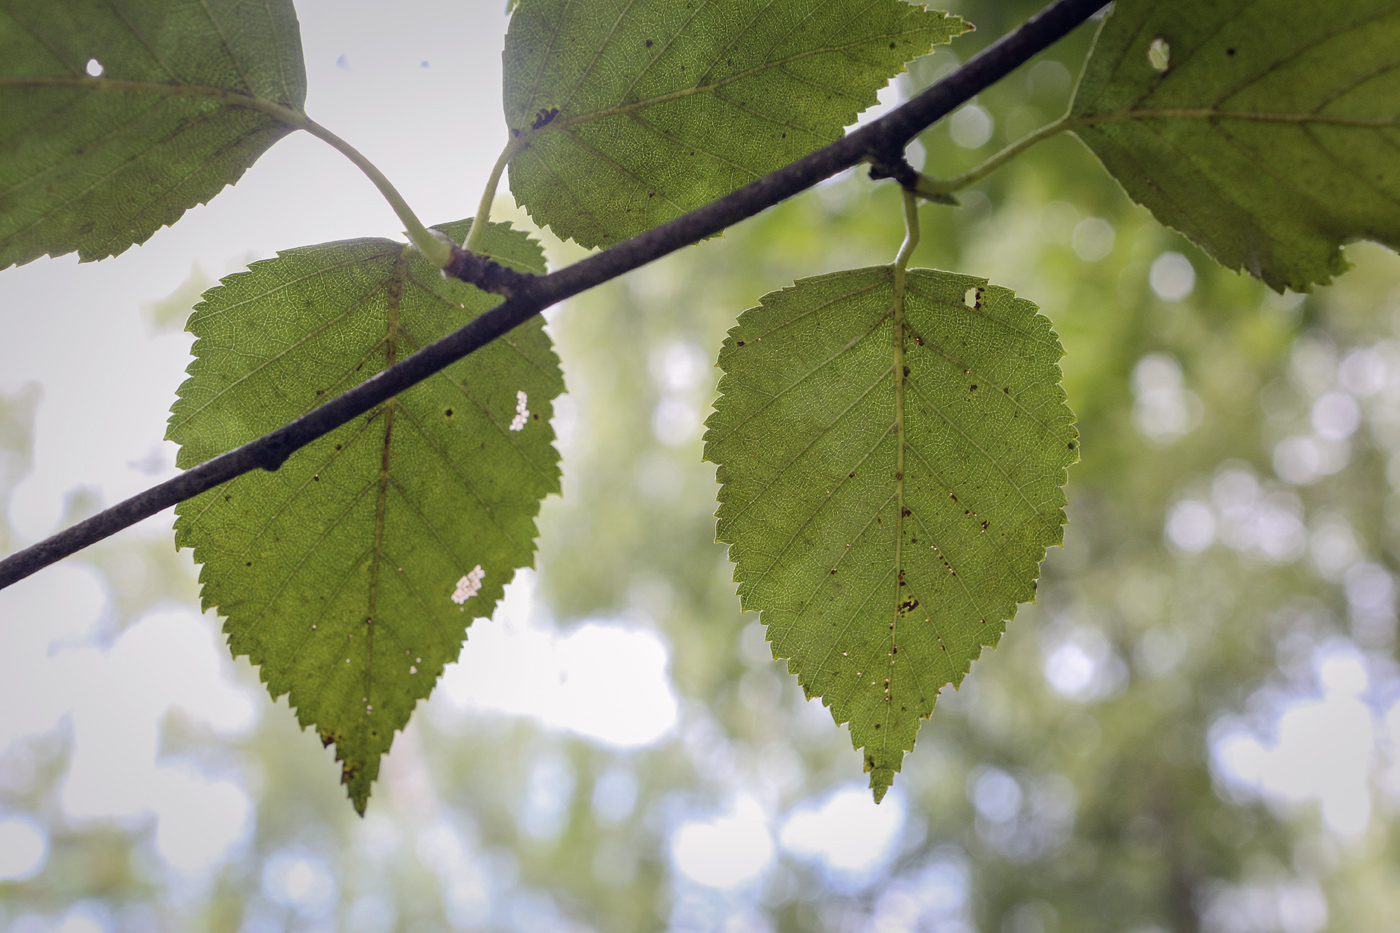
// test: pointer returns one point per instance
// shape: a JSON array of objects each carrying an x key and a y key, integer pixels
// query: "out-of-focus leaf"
[
  {"x": 1267, "y": 131},
  {"x": 880, "y": 582},
  {"x": 116, "y": 118},
  {"x": 349, "y": 576},
  {"x": 625, "y": 114}
]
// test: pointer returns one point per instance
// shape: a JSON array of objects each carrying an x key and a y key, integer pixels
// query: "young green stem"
[
  {"x": 929, "y": 187},
  {"x": 437, "y": 251},
  {"x": 488, "y": 197}
]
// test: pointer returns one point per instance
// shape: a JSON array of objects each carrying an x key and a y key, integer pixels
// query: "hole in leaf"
[
  {"x": 1159, "y": 54},
  {"x": 94, "y": 68}
]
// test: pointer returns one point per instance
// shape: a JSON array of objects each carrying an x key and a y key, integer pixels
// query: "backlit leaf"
[
  {"x": 349, "y": 576},
  {"x": 882, "y": 586},
  {"x": 1267, "y": 131},
  {"x": 627, "y": 113},
  {"x": 117, "y": 117}
]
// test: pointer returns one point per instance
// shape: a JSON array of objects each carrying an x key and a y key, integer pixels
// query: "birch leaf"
[
  {"x": 1267, "y": 131},
  {"x": 625, "y": 114},
  {"x": 117, "y": 117},
  {"x": 349, "y": 576},
  {"x": 881, "y": 585}
]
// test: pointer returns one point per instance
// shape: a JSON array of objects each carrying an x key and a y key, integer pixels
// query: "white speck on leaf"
[
  {"x": 522, "y": 414},
  {"x": 470, "y": 585},
  {"x": 1159, "y": 54}
]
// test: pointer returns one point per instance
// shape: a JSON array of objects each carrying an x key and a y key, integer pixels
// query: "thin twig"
[{"x": 880, "y": 142}]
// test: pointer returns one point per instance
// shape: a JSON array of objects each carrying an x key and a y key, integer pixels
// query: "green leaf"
[
  {"x": 187, "y": 99},
  {"x": 1267, "y": 131},
  {"x": 881, "y": 585},
  {"x": 349, "y": 576},
  {"x": 625, "y": 114}
]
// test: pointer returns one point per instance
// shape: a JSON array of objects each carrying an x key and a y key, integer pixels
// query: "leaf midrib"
[
  {"x": 397, "y": 278},
  {"x": 1212, "y": 113},
  {"x": 246, "y": 99}
]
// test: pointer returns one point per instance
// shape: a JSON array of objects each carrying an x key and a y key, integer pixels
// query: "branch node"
[
  {"x": 909, "y": 178},
  {"x": 486, "y": 274},
  {"x": 894, "y": 165}
]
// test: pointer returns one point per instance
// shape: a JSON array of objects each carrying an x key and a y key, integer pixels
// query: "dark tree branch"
[
  {"x": 486, "y": 274},
  {"x": 881, "y": 143}
]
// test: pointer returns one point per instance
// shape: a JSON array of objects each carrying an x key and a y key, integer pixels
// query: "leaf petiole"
[
  {"x": 488, "y": 197},
  {"x": 933, "y": 188},
  {"x": 433, "y": 247}
]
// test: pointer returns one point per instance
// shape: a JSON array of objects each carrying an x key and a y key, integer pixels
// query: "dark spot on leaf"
[
  {"x": 544, "y": 117},
  {"x": 448, "y": 413},
  {"x": 337, "y": 446},
  {"x": 891, "y": 45},
  {"x": 877, "y": 725},
  {"x": 833, "y": 571},
  {"x": 649, "y": 43},
  {"x": 1071, "y": 446},
  {"x": 973, "y": 388},
  {"x": 905, "y": 512},
  {"x": 1229, "y": 51},
  {"x": 740, "y": 343}
]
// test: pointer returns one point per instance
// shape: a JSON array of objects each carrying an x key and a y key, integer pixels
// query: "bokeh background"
[{"x": 1196, "y": 728}]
